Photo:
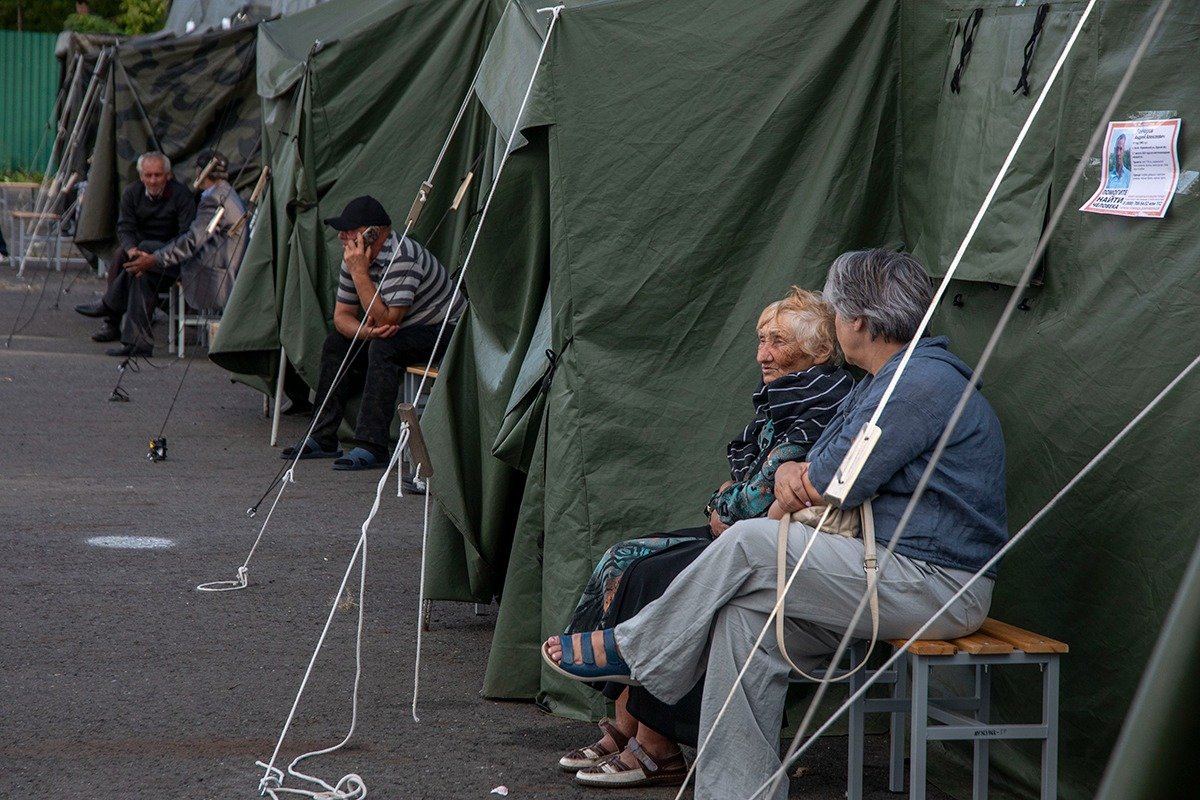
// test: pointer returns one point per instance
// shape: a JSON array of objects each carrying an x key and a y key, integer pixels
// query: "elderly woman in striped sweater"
[{"x": 802, "y": 387}]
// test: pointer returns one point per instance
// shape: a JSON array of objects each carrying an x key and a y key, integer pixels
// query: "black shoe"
[
  {"x": 107, "y": 332},
  {"x": 97, "y": 309},
  {"x": 130, "y": 350}
]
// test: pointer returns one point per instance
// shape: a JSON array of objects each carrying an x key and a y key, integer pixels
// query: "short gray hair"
[
  {"x": 153, "y": 154},
  {"x": 889, "y": 290}
]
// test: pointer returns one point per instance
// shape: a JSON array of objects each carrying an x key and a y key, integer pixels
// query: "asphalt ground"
[{"x": 118, "y": 679}]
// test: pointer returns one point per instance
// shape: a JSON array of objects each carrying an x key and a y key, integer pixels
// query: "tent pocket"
[{"x": 992, "y": 56}]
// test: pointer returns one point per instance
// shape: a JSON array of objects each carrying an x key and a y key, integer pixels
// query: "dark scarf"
[{"x": 795, "y": 408}]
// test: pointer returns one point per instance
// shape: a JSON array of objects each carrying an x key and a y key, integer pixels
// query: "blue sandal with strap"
[{"x": 584, "y": 668}]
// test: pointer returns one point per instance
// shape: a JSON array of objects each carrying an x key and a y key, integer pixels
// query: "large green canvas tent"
[
  {"x": 337, "y": 125},
  {"x": 683, "y": 168}
]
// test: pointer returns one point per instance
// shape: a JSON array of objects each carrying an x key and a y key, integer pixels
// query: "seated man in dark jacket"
[
  {"x": 205, "y": 257},
  {"x": 156, "y": 209}
]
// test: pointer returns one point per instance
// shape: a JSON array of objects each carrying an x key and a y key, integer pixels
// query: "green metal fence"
[{"x": 28, "y": 87}]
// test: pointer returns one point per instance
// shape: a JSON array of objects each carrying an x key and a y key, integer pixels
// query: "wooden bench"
[
  {"x": 412, "y": 380},
  {"x": 931, "y": 717}
]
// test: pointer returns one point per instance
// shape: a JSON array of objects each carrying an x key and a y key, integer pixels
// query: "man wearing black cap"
[
  {"x": 404, "y": 294},
  {"x": 205, "y": 257}
]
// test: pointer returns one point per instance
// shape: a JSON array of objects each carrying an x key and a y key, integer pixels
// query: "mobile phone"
[{"x": 369, "y": 236}]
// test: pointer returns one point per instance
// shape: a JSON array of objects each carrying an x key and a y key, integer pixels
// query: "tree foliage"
[
  {"x": 48, "y": 15},
  {"x": 51, "y": 16},
  {"x": 143, "y": 16}
]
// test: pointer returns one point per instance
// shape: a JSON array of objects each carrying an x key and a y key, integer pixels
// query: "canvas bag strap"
[{"x": 870, "y": 567}]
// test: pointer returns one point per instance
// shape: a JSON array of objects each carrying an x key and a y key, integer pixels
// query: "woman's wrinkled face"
[{"x": 779, "y": 352}]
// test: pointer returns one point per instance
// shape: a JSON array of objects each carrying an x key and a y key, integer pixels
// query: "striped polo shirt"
[{"x": 416, "y": 280}]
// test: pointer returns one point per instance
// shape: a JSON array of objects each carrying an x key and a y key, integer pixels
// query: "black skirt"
[{"x": 643, "y": 582}]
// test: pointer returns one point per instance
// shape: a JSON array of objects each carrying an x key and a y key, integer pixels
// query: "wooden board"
[
  {"x": 927, "y": 647},
  {"x": 1021, "y": 639}
]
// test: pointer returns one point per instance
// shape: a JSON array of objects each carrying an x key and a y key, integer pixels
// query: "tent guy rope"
[
  {"x": 286, "y": 474},
  {"x": 351, "y": 787},
  {"x": 990, "y": 348},
  {"x": 852, "y": 472}
]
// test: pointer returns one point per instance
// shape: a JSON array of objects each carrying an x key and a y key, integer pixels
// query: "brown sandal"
[
  {"x": 613, "y": 773},
  {"x": 593, "y": 754}
]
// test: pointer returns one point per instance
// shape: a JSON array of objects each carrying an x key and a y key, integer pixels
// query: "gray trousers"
[{"x": 706, "y": 623}]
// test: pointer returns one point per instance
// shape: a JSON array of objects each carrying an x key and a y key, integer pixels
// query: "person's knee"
[
  {"x": 335, "y": 343},
  {"x": 390, "y": 353},
  {"x": 755, "y": 538}
]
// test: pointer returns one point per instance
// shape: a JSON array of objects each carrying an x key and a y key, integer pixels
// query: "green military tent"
[
  {"x": 682, "y": 167},
  {"x": 357, "y": 99}
]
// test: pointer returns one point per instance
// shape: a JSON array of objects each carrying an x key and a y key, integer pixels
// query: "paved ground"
[{"x": 118, "y": 679}]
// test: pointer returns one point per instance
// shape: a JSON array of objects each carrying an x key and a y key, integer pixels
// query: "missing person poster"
[{"x": 1140, "y": 169}]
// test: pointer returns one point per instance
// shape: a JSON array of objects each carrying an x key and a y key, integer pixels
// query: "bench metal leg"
[
  {"x": 1050, "y": 718},
  {"x": 855, "y": 743},
  {"x": 426, "y": 610},
  {"x": 920, "y": 727},
  {"x": 979, "y": 765},
  {"x": 898, "y": 728}
]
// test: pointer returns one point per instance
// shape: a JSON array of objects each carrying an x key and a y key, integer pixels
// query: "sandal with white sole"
[
  {"x": 613, "y": 773},
  {"x": 593, "y": 754}
]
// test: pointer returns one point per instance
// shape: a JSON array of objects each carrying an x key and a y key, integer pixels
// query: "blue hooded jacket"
[{"x": 960, "y": 521}]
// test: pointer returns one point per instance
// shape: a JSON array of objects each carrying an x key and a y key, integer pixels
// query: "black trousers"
[
  {"x": 644, "y": 581},
  {"x": 135, "y": 296},
  {"x": 376, "y": 369}
]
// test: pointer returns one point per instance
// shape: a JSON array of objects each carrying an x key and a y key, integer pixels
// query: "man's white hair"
[{"x": 153, "y": 154}]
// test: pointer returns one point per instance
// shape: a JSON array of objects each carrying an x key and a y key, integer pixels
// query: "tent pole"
[
  {"x": 278, "y": 396},
  {"x": 48, "y": 191}
]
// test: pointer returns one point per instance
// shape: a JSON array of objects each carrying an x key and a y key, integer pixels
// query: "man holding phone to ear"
[{"x": 404, "y": 294}]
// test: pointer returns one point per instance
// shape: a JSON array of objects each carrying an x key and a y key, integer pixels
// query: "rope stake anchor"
[{"x": 158, "y": 449}]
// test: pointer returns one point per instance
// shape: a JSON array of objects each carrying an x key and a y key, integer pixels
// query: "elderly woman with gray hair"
[{"x": 879, "y": 298}]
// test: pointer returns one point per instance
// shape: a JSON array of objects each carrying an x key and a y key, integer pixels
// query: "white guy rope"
[
  {"x": 243, "y": 572},
  {"x": 985, "y": 358},
  {"x": 1009, "y": 545},
  {"x": 420, "y": 594},
  {"x": 241, "y": 581},
  {"x": 987, "y": 201},
  {"x": 983, "y": 208},
  {"x": 462, "y": 273},
  {"x": 554, "y": 12},
  {"x": 351, "y": 786}
]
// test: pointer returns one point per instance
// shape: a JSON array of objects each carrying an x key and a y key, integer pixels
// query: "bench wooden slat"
[
  {"x": 981, "y": 644},
  {"x": 1021, "y": 639},
  {"x": 432, "y": 372},
  {"x": 927, "y": 647}
]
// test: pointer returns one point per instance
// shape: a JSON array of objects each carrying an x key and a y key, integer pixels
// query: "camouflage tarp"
[{"x": 179, "y": 96}]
